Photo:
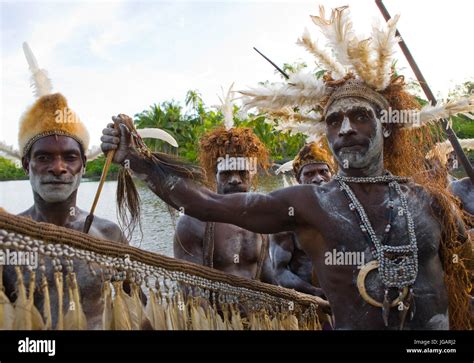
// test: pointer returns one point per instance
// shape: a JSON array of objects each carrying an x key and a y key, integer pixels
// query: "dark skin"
[
  {"x": 322, "y": 220},
  {"x": 464, "y": 190},
  {"x": 236, "y": 250},
  {"x": 57, "y": 160},
  {"x": 292, "y": 267}
]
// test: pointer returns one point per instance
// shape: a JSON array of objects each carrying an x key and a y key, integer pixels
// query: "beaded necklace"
[{"x": 397, "y": 265}]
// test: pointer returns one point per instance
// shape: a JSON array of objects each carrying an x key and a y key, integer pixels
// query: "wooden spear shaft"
[
  {"x": 105, "y": 170},
  {"x": 273, "y": 64},
  {"x": 429, "y": 94}
]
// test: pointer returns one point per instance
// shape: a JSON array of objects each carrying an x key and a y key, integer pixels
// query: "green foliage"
[
  {"x": 187, "y": 128},
  {"x": 462, "y": 125},
  {"x": 10, "y": 171},
  {"x": 94, "y": 169},
  {"x": 189, "y": 124}
]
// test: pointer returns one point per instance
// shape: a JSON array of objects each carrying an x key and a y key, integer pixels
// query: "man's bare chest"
[
  {"x": 340, "y": 227},
  {"x": 232, "y": 243}
]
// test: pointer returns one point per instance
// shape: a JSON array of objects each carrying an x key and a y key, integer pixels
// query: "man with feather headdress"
[
  {"x": 292, "y": 268},
  {"x": 381, "y": 204},
  {"x": 53, "y": 150},
  {"x": 230, "y": 156}
]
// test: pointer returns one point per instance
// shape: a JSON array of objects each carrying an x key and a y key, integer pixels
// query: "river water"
[{"x": 157, "y": 224}]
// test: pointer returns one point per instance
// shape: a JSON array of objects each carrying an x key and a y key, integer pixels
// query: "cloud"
[{"x": 112, "y": 57}]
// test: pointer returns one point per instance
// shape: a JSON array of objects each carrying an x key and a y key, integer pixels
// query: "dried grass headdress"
[
  {"x": 311, "y": 153},
  {"x": 229, "y": 140}
]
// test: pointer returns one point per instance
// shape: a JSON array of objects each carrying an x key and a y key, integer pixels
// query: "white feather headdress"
[
  {"x": 227, "y": 107},
  {"x": 31, "y": 127},
  {"x": 367, "y": 60}
]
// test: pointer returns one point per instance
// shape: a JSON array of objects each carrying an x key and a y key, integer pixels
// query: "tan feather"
[
  {"x": 75, "y": 319},
  {"x": 107, "y": 313},
  {"x": 199, "y": 319},
  {"x": 58, "y": 281},
  {"x": 360, "y": 56},
  {"x": 276, "y": 323},
  {"x": 219, "y": 322},
  {"x": 322, "y": 56},
  {"x": 289, "y": 322},
  {"x": 121, "y": 315},
  {"x": 138, "y": 316},
  {"x": 22, "y": 317},
  {"x": 155, "y": 311},
  {"x": 384, "y": 43},
  {"x": 236, "y": 320},
  {"x": 169, "y": 312},
  {"x": 176, "y": 313},
  {"x": 27, "y": 316},
  {"x": 7, "y": 310},
  {"x": 337, "y": 30},
  {"x": 48, "y": 321},
  {"x": 36, "y": 318},
  {"x": 288, "y": 115}
]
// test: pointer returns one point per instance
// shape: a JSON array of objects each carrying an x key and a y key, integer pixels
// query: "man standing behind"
[
  {"x": 292, "y": 268},
  {"x": 230, "y": 157}
]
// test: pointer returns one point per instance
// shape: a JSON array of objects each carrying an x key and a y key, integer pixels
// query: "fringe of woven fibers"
[
  {"x": 140, "y": 290},
  {"x": 7, "y": 310}
]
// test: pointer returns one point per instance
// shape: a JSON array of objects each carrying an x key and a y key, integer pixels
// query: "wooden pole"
[{"x": 429, "y": 94}]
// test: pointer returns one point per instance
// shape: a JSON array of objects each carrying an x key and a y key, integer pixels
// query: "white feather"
[
  {"x": 322, "y": 56},
  {"x": 430, "y": 114},
  {"x": 155, "y": 133},
  {"x": 302, "y": 89},
  {"x": 337, "y": 30},
  {"x": 287, "y": 114},
  {"x": 39, "y": 77},
  {"x": 285, "y": 167},
  {"x": 227, "y": 107},
  {"x": 314, "y": 130},
  {"x": 384, "y": 43}
]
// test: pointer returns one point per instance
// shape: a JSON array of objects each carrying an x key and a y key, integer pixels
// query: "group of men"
[
  {"x": 54, "y": 157},
  {"x": 350, "y": 200}
]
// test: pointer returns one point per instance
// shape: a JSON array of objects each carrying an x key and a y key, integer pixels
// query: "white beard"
[
  {"x": 54, "y": 193},
  {"x": 362, "y": 159}
]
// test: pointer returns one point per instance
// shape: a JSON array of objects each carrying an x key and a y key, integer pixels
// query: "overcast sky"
[{"x": 120, "y": 57}]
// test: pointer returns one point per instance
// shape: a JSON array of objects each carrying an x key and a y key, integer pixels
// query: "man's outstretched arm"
[{"x": 260, "y": 213}]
